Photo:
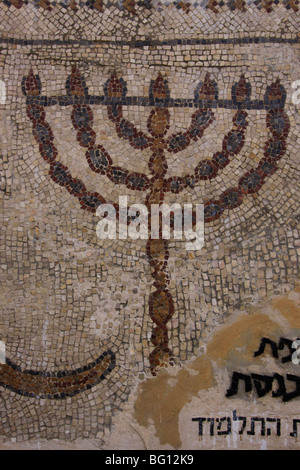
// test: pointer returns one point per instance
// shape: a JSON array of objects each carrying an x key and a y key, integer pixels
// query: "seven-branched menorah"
[{"x": 157, "y": 183}]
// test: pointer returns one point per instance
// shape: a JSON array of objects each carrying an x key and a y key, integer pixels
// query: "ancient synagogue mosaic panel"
[{"x": 198, "y": 110}]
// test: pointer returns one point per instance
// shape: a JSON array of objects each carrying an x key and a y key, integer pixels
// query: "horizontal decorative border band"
[
  {"x": 139, "y": 44},
  {"x": 131, "y": 6}
]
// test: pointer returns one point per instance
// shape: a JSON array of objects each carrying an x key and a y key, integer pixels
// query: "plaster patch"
[
  {"x": 290, "y": 309},
  {"x": 237, "y": 341},
  {"x": 160, "y": 401}
]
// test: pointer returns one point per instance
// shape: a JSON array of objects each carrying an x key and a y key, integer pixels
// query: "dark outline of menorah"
[{"x": 161, "y": 307}]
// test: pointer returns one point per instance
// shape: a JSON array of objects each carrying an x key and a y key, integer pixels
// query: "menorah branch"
[
  {"x": 207, "y": 169},
  {"x": 144, "y": 101}
]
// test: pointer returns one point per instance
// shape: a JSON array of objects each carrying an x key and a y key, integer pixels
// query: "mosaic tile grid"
[
  {"x": 164, "y": 21},
  {"x": 193, "y": 121}
]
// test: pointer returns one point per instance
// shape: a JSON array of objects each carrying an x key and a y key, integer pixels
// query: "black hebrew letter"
[
  {"x": 201, "y": 421},
  {"x": 235, "y": 383},
  {"x": 296, "y": 393},
  {"x": 281, "y": 389},
  {"x": 228, "y": 430},
  {"x": 212, "y": 425},
  {"x": 286, "y": 342},
  {"x": 262, "y": 346},
  {"x": 295, "y": 428},
  {"x": 263, "y": 426},
  {"x": 258, "y": 379},
  {"x": 278, "y": 426},
  {"x": 240, "y": 418}
]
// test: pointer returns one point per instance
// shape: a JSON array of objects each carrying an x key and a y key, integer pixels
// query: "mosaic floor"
[{"x": 161, "y": 102}]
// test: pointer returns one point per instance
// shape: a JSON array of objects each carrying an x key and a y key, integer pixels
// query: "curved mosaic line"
[
  {"x": 161, "y": 305},
  {"x": 56, "y": 385}
]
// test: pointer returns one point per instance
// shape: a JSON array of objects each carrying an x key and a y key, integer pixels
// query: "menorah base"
[{"x": 160, "y": 359}]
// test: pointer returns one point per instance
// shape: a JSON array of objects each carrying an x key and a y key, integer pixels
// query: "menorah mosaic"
[
  {"x": 125, "y": 343},
  {"x": 158, "y": 183}
]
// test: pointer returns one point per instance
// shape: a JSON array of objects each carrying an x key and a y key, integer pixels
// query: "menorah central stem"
[{"x": 161, "y": 306}]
